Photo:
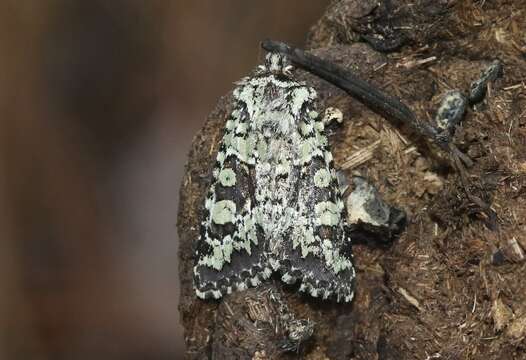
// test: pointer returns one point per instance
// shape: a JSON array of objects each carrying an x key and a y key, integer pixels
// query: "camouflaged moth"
[{"x": 274, "y": 203}]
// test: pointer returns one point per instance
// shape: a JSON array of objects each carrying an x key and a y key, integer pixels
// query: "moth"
[{"x": 274, "y": 203}]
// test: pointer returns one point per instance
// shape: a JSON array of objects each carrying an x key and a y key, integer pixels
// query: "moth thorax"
[
  {"x": 277, "y": 63},
  {"x": 277, "y": 122}
]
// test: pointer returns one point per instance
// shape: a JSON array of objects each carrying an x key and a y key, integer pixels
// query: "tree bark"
[{"x": 433, "y": 293}]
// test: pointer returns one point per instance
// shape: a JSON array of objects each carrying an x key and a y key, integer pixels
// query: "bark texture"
[{"x": 449, "y": 287}]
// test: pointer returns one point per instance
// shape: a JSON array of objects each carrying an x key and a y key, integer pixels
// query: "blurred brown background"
[{"x": 99, "y": 102}]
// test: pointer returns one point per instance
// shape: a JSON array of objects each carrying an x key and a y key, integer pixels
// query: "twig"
[{"x": 387, "y": 106}]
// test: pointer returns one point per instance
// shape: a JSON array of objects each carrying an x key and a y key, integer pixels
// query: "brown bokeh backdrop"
[{"x": 100, "y": 101}]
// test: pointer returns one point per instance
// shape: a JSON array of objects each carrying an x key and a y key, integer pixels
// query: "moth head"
[{"x": 277, "y": 63}]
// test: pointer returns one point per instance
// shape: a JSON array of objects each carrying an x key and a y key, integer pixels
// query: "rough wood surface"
[{"x": 437, "y": 292}]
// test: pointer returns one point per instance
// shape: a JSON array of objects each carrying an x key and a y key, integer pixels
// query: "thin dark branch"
[{"x": 387, "y": 106}]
